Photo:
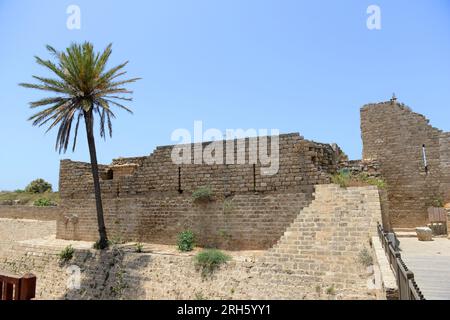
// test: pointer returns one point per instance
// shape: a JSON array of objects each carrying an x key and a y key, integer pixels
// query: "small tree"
[{"x": 38, "y": 186}]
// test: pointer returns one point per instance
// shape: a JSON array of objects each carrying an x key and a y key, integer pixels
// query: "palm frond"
[{"x": 82, "y": 86}]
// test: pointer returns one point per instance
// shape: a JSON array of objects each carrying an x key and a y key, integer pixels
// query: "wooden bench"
[
  {"x": 14, "y": 287},
  {"x": 437, "y": 218}
]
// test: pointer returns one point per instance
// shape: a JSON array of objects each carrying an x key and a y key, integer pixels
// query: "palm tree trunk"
[{"x": 89, "y": 120}]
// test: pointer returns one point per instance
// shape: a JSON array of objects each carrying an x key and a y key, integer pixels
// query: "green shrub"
[
  {"x": 202, "y": 194},
  {"x": 186, "y": 241},
  {"x": 38, "y": 186},
  {"x": 139, "y": 247},
  {"x": 437, "y": 202},
  {"x": 209, "y": 260},
  {"x": 66, "y": 254},
  {"x": 42, "y": 202},
  {"x": 331, "y": 290},
  {"x": 97, "y": 246},
  {"x": 345, "y": 179},
  {"x": 380, "y": 183},
  {"x": 365, "y": 258},
  {"x": 341, "y": 178}
]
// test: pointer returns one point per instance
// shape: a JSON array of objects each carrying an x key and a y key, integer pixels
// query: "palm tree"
[{"x": 82, "y": 88}]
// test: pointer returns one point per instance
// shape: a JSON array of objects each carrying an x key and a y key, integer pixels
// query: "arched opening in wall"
[{"x": 107, "y": 175}]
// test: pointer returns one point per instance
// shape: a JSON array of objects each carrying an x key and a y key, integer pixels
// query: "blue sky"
[{"x": 297, "y": 66}]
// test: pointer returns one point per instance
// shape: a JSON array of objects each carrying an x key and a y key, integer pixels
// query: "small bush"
[
  {"x": 341, "y": 178},
  {"x": 365, "y": 258},
  {"x": 209, "y": 260},
  {"x": 380, "y": 183},
  {"x": 42, "y": 202},
  {"x": 38, "y": 186},
  {"x": 202, "y": 194},
  {"x": 199, "y": 296},
  {"x": 139, "y": 247},
  {"x": 186, "y": 241},
  {"x": 345, "y": 179},
  {"x": 117, "y": 239},
  {"x": 437, "y": 202},
  {"x": 97, "y": 245},
  {"x": 66, "y": 254},
  {"x": 331, "y": 290}
]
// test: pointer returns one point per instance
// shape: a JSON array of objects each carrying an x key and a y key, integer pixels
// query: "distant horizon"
[{"x": 299, "y": 67}]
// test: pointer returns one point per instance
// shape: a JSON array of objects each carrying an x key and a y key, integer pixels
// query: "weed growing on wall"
[
  {"x": 345, "y": 179},
  {"x": 227, "y": 206},
  {"x": 186, "y": 241},
  {"x": 202, "y": 194},
  {"x": 209, "y": 260},
  {"x": 365, "y": 258}
]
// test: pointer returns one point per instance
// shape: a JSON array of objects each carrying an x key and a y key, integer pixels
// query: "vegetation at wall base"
[
  {"x": 139, "y": 247},
  {"x": 98, "y": 245},
  {"x": 209, "y": 260},
  {"x": 436, "y": 202},
  {"x": 186, "y": 241}
]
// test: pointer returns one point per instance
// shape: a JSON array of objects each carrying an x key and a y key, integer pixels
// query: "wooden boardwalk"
[{"x": 430, "y": 262}]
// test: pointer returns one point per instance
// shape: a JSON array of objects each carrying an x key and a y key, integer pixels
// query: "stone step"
[{"x": 406, "y": 234}]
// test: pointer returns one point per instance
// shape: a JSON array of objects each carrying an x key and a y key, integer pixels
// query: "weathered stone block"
[{"x": 424, "y": 234}]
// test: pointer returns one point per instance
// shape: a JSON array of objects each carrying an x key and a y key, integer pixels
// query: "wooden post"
[{"x": 27, "y": 287}]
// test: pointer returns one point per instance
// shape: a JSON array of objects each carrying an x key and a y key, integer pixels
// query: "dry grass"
[{"x": 25, "y": 198}]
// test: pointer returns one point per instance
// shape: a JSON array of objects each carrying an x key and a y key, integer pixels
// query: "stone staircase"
[{"x": 318, "y": 254}]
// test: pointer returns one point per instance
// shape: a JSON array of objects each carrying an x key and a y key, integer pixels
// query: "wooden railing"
[
  {"x": 13, "y": 287},
  {"x": 407, "y": 286}
]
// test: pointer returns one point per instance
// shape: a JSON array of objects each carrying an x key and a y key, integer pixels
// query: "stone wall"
[
  {"x": 242, "y": 221},
  {"x": 23, "y": 229},
  {"x": 393, "y": 135},
  {"x": 320, "y": 250},
  {"x": 302, "y": 164},
  {"x": 316, "y": 258},
  {"x": 29, "y": 212},
  {"x": 143, "y": 199},
  {"x": 370, "y": 167}
]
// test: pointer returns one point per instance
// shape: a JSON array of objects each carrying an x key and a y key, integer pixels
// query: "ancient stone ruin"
[
  {"x": 150, "y": 198},
  {"x": 293, "y": 235}
]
